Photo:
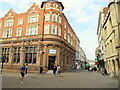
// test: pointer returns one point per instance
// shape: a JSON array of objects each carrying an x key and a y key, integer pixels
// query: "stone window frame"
[
  {"x": 30, "y": 52},
  {"x": 19, "y": 30},
  {"x": 0, "y": 24},
  {"x": 65, "y": 35},
  {"x": 33, "y": 19},
  {"x": 20, "y": 21},
  {"x": 59, "y": 31},
  {"x": 47, "y": 17},
  {"x": 54, "y": 17},
  {"x": 46, "y": 29},
  {"x": 60, "y": 19},
  {"x": 6, "y": 52},
  {"x": 7, "y": 33},
  {"x": 65, "y": 25},
  {"x": 9, "y": 23},
  {"x": 32, "y": 30},
  {"x": 17, "y": 52},
  {"x": 54, "y": 29}
]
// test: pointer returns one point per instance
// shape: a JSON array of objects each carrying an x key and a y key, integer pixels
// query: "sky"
[{"x": 81, "y": 14}]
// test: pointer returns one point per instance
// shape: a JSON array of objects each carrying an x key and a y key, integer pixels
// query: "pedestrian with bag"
[{"x": 58, "y": 70}]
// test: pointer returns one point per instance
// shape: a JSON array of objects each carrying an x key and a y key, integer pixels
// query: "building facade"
[
  {"x": 100, "y": 51},
  {"x": 110, "y": 28},
  {"x": 40, "y": 36}
]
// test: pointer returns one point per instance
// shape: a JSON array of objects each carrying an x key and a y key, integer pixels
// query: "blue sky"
[{"x": 81, "y": 14}]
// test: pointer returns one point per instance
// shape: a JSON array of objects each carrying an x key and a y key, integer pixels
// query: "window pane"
[
  {"x": 14, "y": 58},
  {"x": 18, "y": 58},
  {"x": 34, "y": 58},
  {"x": 35, "y": 49},
  {"x": 31, "y": 49},
  {"x": 26, "y": 49},
  {"x": 30, "y": 61}
]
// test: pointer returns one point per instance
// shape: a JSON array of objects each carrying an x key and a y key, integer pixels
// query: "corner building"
[{"x": 40, "y": 36}]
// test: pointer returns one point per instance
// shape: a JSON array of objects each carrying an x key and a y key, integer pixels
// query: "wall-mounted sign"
[{"x": 52, "y": 51}]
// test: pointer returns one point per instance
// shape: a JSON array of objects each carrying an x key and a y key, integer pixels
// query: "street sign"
[{"x": 52, "y": 51}]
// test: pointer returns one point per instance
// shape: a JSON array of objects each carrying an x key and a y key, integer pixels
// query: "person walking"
[
  {"x": 54, "y": 69},
  {"x": 26, "y": 69},
  {"x": 58, "y": 70},
  {"x": 73, "y": 67},
  {"x": 104, "y": 71},
  {"x": 22, "y": 72},
  {"x": 41, "y": 69}
]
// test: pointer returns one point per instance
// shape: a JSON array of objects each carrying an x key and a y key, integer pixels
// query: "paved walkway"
[{"x": 82, "y": 79}]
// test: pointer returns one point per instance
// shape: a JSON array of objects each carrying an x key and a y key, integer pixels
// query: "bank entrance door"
[{"x": 51, "y": 62}]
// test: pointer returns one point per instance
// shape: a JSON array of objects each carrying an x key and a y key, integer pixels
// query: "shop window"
[
  {"x": 5, "y": 54},
  {"x": 31, "y": 55},
  {"x": 16, "y": 55}
]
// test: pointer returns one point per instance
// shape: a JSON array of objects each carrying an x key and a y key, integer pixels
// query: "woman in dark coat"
[
  {"x": 54, "y": 69},
  {"x": 41, "y": 69}
]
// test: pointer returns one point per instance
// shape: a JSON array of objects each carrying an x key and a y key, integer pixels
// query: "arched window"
[
  {"x": 47, "y": 17},
  {"x": 54, "y": 18}
]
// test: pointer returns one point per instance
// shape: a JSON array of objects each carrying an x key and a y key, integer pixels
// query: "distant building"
[
  {"x": 40, "y": 36},
  {"x": 109, "y": 37}
]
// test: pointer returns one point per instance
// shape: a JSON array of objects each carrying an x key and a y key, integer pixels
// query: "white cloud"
[{"x": 84, "y": 14}]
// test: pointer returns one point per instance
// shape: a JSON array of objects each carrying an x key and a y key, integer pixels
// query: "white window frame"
[
  {"x": 65, "y": 35},
  {"x": 46, "y": 29},
  {"x": 47, "y": 17},
  {"x": 59, "y": 31},
  {"x": 9, "y": 23},
  {"x": 0, "y": 24},
  {"x": 54, "y": 17},
  {"x": 19, "y": 30},
  {"x": 20, "y": 21},
  {"x": 65, "y": 25},
  {"x": 60, "y": 20},
  {"x": 7, "y": 33},
  {"x": 33, "y": 18},
  {"x": 69, "y": 39},
  {"x": 54, "y": 27},
  {"x": 32, "y": 30}
]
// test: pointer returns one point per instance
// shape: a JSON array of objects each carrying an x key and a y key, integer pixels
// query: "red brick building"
[{"x": 40, "y": 36}]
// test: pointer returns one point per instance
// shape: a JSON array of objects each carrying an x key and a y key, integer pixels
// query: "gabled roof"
[
  {"x": 37, "y": 8},
  {"x": 10, "y": 12}
]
